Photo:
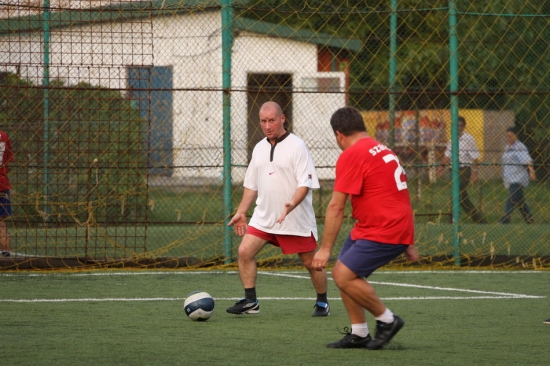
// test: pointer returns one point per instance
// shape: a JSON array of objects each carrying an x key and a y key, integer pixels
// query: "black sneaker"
[
  {"x": 5, "y": 254},
  {"x": 547, "y": 321},
  {"x": 321, "y": 309},
  {"x": 351, "y": 341},
  {"x": 385, "y": 332},
  {"x": 244, "y": 306}
]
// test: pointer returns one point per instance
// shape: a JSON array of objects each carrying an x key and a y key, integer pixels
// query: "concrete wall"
[{"x": 100, "y": 55}]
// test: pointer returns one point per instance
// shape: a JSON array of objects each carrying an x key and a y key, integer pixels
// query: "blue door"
[{"x": 151, "y": 89}]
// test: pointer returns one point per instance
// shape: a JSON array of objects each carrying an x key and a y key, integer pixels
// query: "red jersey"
[
  {"x": 373, "y": 177},
  {"x": 6, "y": 157}
]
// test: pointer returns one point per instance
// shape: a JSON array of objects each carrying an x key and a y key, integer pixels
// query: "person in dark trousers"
[
  {"x": 517, "y": 170},
  {"x": 468, "y": 157}
]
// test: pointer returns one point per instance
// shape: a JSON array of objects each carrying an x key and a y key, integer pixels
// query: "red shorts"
[{"x": 289, "y": 244}]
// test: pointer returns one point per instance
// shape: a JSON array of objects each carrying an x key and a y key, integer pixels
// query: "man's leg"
[
  {"x": 319, "y": 281},
  {"x": 248, "y": 249},
  {"x": 359, "y": 292},
  {"x": 467, "y": 205},
  {"x": 509, "y": 207},
  {"x": 318, "y": 278},
  {"x": 357, "y": 295},
  {"x": 519, "y": 201}
]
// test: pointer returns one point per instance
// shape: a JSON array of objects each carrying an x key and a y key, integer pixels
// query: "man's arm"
[
  {"x": 239, "y": 219},
  {"x": 532, "y": 175},
  {"x": 334, "y": 217},
  {"x": 475, "y": 170},
  {"x": 297, "y": 198}
]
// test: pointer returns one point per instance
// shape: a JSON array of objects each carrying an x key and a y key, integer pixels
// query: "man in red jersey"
[
  {"x": 369, "y": 174},
  {"x": 6, "y": 157}
]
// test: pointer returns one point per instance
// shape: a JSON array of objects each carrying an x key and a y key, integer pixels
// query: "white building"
[{"x": 177, "y": 50}]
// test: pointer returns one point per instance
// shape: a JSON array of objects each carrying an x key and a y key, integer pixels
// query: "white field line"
[
  {"x": 261, "y": 298},
  {"x": 290, "y": 274},
  {"x": 499, "y": 294},
  {"x": 273, "y": 273}
]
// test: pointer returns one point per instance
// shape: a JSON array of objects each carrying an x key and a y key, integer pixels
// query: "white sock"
[
  {"x": 387, "y": 317},
  {"x": 361, "y": 330}
]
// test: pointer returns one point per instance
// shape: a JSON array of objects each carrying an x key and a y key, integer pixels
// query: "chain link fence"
[{"x": 132, "y": 122}]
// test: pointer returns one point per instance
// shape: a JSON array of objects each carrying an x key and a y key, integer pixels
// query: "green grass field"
[{"x": 136, "y": 318}]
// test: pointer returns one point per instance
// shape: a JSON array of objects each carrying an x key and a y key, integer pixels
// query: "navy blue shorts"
[
  {"x": 5, "y": 203},
  {"x": 365, "y": 256}
]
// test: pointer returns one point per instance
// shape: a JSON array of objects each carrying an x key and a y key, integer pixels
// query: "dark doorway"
[{"x": 264, "y": 88}]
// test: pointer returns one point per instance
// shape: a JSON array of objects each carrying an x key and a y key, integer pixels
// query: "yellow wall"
[{"x": 474, "y": 121}]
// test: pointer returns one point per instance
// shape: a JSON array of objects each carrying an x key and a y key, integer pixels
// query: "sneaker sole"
[
  {"x": 320, "y": 315},
  {"x": 251, "y": 311},
  {"x": 363, "y": 344}
]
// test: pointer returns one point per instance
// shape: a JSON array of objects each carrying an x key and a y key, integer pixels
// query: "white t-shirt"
[
  {"x": 276, "y": 175},
  {"x": 467, "y": 149}
]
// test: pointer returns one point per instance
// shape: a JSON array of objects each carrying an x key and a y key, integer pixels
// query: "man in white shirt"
[
  {"x": 280, "y": 178},
  {"x": 468, "y": 157}
]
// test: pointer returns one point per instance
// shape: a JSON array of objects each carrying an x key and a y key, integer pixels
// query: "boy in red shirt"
[
  {"x": 369, "y": 174},
  {"x": 6, "y": 157}
]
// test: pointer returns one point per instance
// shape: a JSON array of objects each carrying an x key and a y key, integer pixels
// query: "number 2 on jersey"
[{"x": 398, "y": 171}]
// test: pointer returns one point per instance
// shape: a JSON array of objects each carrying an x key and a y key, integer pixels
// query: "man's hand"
[
  {"x": 474, "y": 175},
  {"x": 239, "y": 223},
  {"x": 411, "y": 253},
  {"x": 320, "y": 259},
  {"x": 286, "y": 210}
]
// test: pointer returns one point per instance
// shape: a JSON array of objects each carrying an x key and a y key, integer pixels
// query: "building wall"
[{"x": 100, "y": 54}]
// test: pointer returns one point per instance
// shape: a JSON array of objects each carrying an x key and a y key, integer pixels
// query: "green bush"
[{"x": 85, "y": 162}]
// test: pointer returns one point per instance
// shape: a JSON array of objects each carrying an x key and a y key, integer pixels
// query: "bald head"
[
  {"x": 272, "y": 121},
  {"x": 271, "y": 107}
]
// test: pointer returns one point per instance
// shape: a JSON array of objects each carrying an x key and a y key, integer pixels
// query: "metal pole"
[
  {"x": 455, "y": 174},
  {"x": 227, "y": 44},
  {"x": 393, "y": 51},
  {"x": 46, "y": 104}
]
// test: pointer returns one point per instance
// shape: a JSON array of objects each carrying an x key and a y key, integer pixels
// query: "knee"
[
  {"x": 339, "y": 276},
  {"x": 245, "y": 253},
  {"x": 308, "y": 263}
]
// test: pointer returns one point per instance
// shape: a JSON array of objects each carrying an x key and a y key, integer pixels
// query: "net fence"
[{"x": 132, "y": 122}]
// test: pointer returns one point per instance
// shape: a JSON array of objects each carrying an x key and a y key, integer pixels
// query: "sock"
[
  {"x": 322, "y": 298},
  {"x": 250, "y": 293},
  {"x": 386, "y": 317},
  {"x": 361, "y": 330}
]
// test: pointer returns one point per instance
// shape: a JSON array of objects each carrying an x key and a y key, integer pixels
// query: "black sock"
[
  {"x": 250, "y": 293},
  {"x": 322, "y": 298}
]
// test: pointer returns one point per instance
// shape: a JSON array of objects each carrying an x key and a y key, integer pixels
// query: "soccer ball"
[{"x": 199, "y": 305}]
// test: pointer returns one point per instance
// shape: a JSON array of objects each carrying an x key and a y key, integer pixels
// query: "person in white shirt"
[
  {"x": 468, "y": 157},
  {"x": 280, "y": 178},
  {"x": 517, "y": 170}
]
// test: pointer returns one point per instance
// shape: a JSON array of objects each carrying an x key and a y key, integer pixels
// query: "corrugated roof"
[{"x": 138, "y": 10}]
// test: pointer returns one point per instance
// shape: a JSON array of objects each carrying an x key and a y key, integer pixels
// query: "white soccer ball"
[{"x": 199, "y": 305}]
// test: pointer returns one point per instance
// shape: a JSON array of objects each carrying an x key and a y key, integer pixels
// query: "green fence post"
[
  {"x": 46, "y": 104},
  {"x": 227, "y": 43},
  {"x": 392, "y": 61},
  {"x": 453, "y": 75}
]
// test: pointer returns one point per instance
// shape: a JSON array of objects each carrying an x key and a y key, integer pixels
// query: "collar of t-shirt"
[{"x": 284, "y": 136}]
